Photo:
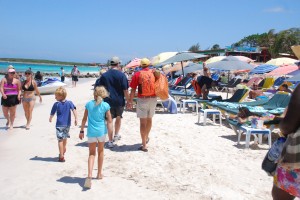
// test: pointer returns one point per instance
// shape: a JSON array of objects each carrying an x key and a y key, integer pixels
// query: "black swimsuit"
[{"x": 30, "y": 88}]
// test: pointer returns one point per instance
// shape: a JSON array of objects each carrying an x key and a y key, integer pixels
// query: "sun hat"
[
  {"x": 115, "y": 60},
  {"x": 145, "y": 62},
  {"x": 10, "y": 67},
  {"x": 11, "y": 70}
]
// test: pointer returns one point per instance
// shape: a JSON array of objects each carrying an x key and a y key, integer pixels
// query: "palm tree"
[
  {"x": 195, "y": 48},
  {"x": 215, "y": 47}
]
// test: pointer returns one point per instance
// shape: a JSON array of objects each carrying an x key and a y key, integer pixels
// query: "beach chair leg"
[
  {"x": 248, "y": 134},
  {"x": 220, "y": 117},
  {"x": 199, "y": 117},
  {"x": 214, "y": 118},
  {"x": 260, "y": 138},
  {"x": 197, "y": 108},
  {"x": 270, "y": 139},
  {"x": 180, "y": 107},
  {"x": 239, "y": 136},
  {"x": 204, "y": 119}
]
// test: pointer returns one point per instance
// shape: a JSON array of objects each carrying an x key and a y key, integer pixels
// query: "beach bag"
[
  {"x": 161, "y": 87},
  {"x": 146, "y": 85},
  {"x": 270, "y": 161}
]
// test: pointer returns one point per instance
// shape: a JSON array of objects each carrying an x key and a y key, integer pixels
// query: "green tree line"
[{"x": 280, "y": 42}]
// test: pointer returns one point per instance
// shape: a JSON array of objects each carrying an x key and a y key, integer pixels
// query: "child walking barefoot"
[
  {"x": 63, "y": 122},
  {"x": 97, "y": 112}
]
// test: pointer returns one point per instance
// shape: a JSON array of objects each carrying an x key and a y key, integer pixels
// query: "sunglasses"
[
  {"x": 27, "y": 73},
  {"x": 11, "y": 72}
]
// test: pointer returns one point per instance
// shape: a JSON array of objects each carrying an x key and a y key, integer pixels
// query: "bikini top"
[
  {"x": 30, "y": 88},
  {"x": 10, "y": 89}
]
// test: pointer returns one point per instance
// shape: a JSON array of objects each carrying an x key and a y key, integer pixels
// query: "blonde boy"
[{"x": 63, "y": 109}]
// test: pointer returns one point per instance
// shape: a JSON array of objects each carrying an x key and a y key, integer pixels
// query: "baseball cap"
[
  {"x": 145, "y": 62},
  {"x": 115, "y": 60}
]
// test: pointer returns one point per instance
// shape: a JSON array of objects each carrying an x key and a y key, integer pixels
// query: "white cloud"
[{"x": 275, "y": 10}]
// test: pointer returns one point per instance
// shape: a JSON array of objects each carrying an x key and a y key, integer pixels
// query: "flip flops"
[
  {"x": 142, "y": 149},
  {"x": 88, "y": 183}
]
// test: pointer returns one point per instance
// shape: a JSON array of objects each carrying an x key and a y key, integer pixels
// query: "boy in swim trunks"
[{"x": 63, "y": 109}]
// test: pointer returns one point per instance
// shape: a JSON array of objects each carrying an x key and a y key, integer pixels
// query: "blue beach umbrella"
[
  {"x": 294, "y": 73},
  {"x": 190, "y": 68},
  {"x": 264, "y": 68},
  {"x": 294, "y": 78}
]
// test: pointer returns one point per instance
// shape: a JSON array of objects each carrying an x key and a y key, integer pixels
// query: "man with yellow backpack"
[{"x": 144, "y": 80}]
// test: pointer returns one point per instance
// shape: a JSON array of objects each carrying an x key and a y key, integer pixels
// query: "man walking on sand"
[
  {"x": 75, "y": 72},
  {"x": 146, "y": 101},
  {"x": 116, "y": 84}
]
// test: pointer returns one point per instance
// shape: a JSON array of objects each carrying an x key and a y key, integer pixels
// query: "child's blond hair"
[
  {"x": 61, "y": 92},
  {"x": 99, "y": 94}
]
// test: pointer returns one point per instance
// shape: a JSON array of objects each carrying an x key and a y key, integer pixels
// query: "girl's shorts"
[
  {"x": 288, "y": 180},
  {"x": 62, "y": 133},
  {"x": 96, "y": 139}
]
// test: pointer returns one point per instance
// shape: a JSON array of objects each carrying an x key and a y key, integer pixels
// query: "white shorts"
[
  {"x": 96, "y": 139},
  {"x": 146, "y": 107}
]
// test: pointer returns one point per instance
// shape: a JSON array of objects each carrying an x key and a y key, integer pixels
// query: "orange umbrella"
[{"x": 134, "y": 63}]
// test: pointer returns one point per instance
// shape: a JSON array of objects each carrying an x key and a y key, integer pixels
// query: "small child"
[
  {"x": 97, "y": 112},
  {"x": 63, "y": 122}
]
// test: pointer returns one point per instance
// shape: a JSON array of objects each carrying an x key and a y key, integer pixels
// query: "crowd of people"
[{"x": 111, "y": 95}]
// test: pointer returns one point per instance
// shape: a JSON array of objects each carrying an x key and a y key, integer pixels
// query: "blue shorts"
[{"x": 62, "y": 133}]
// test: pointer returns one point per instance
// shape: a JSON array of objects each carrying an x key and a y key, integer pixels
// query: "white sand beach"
[{"x": 186, "y": 160}]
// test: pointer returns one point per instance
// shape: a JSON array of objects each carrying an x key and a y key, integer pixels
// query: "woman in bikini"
[
  {"x": 29, "y": 88},
  {"x": 10, "y": 89}
]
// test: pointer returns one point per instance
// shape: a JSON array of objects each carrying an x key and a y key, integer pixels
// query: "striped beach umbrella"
[{"x": 262, "y": 69}]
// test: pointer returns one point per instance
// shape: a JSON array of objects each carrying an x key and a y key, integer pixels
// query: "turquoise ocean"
[{"x": 47, "y": 68}]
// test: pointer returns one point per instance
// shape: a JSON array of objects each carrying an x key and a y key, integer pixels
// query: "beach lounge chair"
[
  {"x": 238, "y": 96},
  {"x": 274, "y": 106},
  {"x": 253, "y": 80},
  {"x": 269, "y": 82}
]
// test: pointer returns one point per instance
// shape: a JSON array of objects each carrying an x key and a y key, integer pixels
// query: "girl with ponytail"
[{"x": 97, "y": 112}]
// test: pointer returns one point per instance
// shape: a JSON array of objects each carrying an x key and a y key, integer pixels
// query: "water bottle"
[{"x": 276, "y": 149}]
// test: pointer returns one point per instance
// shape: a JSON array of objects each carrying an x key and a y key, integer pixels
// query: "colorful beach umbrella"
[
  {"x": 296, "y": 50},
  {"x": 244, "y": 58},
  {"x": 133, "y": 63},
  {"x": 262, "y": 69},
  {"x": 294, "y": 78},
  {"x": 214, "y": 59},
  {"x": 180, "y": 57},
  {"x": 162, "y": 57},
  {"x": 283, "y": 70},
  {"x": 281, "y": 61}
]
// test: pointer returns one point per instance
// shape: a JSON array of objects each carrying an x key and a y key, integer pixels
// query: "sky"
[{"x": 96, "y": 30}]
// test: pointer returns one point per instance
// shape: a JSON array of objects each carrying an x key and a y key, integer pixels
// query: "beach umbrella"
[
  {"x": 190, "y": 68},
  {"x": 214, "y": 59},
  {"x": 281, "y": 61},
  {"x": 294, "y": 78},
  {"x": 180, "y": 57},
  {"x": 230, "y": 63},
  {"x": 294, "y": 73},
  {"x": 162, "y": 57},
  {"x": 262, "y": 69},
  {"x": 296, "y": 50},
  {"x": 133, "y": 63},
  {"x": 283, "y": 70},
  {"x": 244, "y": 58}
]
